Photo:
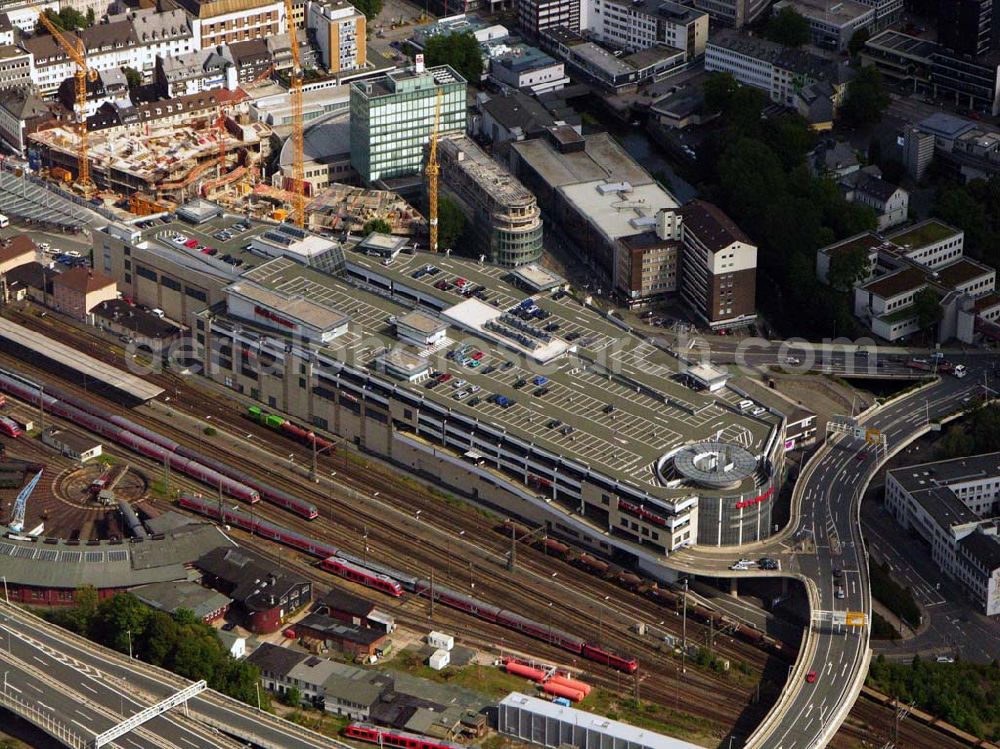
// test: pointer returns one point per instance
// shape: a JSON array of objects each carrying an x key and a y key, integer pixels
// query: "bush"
[
  {"x": 882, "y": 630},
  {"x": 209, "y": 431},
  {"x": 893, "y": 596}
]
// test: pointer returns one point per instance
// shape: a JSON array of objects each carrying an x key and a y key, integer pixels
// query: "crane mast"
[
  {"x": 77, "y": 53},
  {"x": 298, "y": 142},
  {"x": 21, "y": 504},
  {"x": 432, "y": 172}
]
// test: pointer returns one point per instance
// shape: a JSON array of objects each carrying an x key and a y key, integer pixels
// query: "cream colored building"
[{"x": 340, "y": 34}]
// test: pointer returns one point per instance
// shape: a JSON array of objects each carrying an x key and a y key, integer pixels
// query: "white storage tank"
[
  {"x": 439, "y": 659},
  {"x": 440, "y": 640}
]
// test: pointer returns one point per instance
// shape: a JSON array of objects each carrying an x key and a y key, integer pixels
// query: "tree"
[
  {"x": 159, "y": 639},
  {"x": 119, "y": 621},
  {"x": 460, "y": 50},
  {"x": 719, "y": 89},
  {"x": 451, "y": 223},
  {"x": 847, "y": 268},
  {"x": 858, "y": 40},
  {"x": 370, "y": 8},
  {"x": 788, "y": 27},
  {"x": 66, "y": 19},
  {"x": 928, "y": 307},
  {"x": 379, "y": 225},
  {"x": 133, "y": 76},
  {"x": 866, "y": 98},
  {"x": 292, "y": 697}
]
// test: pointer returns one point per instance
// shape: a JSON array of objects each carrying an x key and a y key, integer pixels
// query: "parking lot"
[{"x": 617, "y": 402}]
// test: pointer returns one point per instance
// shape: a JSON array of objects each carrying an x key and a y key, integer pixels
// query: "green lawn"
[{"x": 918, "y": 236}]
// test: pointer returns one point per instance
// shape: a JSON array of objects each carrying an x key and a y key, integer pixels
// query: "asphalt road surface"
[{"x": 93, "y": 675}]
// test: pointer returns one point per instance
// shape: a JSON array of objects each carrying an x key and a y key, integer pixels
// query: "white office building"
[
  {"x": 632, "y": 26},
  {"x": 954, "y": 507}
]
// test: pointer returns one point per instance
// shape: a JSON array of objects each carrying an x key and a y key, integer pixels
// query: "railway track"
[
  {"x": 867, "y": 720},
  {"x": 423, "y": 554}
]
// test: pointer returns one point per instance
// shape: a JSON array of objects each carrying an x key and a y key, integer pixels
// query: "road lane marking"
[{"x": 88, "y": 687}]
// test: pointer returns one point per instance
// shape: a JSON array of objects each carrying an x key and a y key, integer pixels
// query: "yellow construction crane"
[
  {"x": 432, "y": 171},
  {"x": 298, "y": 142},
  {"x": 77, "y": 54}
]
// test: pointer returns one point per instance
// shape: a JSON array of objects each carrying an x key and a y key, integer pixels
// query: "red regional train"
[{"x": 399, "y": 739}]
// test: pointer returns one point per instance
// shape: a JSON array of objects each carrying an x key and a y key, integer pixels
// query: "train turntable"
[{"x": 68, "y": 501}]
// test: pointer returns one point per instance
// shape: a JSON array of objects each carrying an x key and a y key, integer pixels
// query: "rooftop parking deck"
[{"x": 611, "y": 401}]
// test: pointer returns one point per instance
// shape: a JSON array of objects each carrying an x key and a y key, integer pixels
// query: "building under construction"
[
  {"x": 341, "y": 208},
  {"x": 207, "y": 157},
  {"x": 507, "y": 223}
]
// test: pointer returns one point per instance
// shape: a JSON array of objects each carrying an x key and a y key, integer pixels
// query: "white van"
[
  {"x": 157, "y": 312},
  {"x": 4, "y": 221},
  {"x": 745, "y": 405}
]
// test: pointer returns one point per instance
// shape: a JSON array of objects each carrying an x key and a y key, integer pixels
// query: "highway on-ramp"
[{"x": 824, "y": 536}]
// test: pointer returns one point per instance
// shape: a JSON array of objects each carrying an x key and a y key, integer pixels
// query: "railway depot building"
[
  {"x": 954, "y": 507},
  {"x": 513, "y": 394}
]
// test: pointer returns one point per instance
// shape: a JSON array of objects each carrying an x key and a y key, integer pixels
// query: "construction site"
[
  {"x": 219, "y": 160},
  {"x": 340, "y": 208}
]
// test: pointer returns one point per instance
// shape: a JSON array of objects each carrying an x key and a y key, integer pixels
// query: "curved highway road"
[{"x": 825, "y": 535}]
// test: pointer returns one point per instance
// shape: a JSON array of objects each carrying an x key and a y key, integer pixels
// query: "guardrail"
[
  {"x": 173, "y": 681},
  {"x": 43, "y": 720}
]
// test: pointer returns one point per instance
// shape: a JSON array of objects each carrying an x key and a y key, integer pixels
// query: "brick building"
[
  {"x": 266, "y": 595},
  {"x": 79, "y": 290}
]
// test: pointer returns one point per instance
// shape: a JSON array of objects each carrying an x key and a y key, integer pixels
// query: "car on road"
[
  {"x": 838, "y": 573},
  {"x": 766, "y": 563},
  {"x": 794, "y": 361},
  {"x": 944, "y": 659},
  {"x": 839, "y": 592},
  {"x": 811, "y": 677}
]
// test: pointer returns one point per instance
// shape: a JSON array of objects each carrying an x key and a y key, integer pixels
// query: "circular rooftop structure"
[{"x": 716, "y": 465}]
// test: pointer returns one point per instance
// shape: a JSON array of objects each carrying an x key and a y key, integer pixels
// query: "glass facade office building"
[{"x": 392, "y": 118}]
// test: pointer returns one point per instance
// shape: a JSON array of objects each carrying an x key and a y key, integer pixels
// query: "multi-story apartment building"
[
  {"x": 191, "y": 73},
  {"x": 217, "y": 22},
  {"x": 392, "y": 118},
  {"x": 133, "y": 41},
  {"x": 340, "y": 34},
  {"x": 733, "y": 13},
  {"x": 632, "y": 25},
  {"x": 165, "y": 34},
  {"x": 251, "y": 59},
  {"x": 953, "y": 506},
  {"x": 535, "y": 16},
  {"x": 719, "y": 269},
  {"x": 648, "y": 265},
  {"x": 506, "y": 221},
  {"x": 782, "y": 73}
]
